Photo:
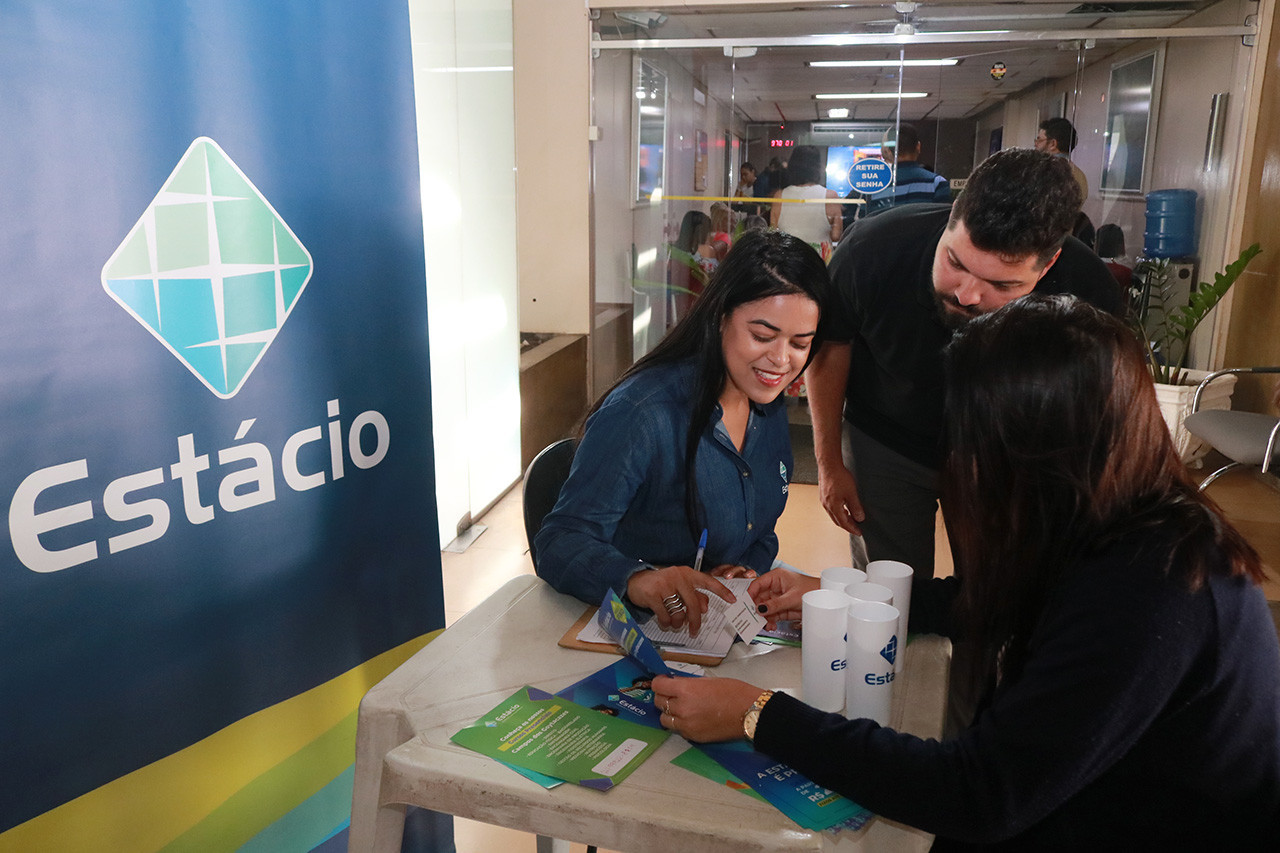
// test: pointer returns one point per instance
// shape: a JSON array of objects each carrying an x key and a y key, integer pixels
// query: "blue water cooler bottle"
[{"x": 1169, "y": 238}]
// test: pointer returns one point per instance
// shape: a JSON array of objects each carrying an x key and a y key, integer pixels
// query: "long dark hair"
[
  {"x": 804, "y": 166},
  {"x": 695, "y": 229},
  {"x": 762, "y": 263},
  {"x": 1058, "y": 449}
]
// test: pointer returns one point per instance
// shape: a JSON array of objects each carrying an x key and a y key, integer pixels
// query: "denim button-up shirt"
[{"x": 622, "y": 508}]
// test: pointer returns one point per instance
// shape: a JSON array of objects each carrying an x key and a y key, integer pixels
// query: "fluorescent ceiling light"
[
  {"x": 867, "y": 96},
  {"x": 838, "y": 112},
  {"x": 880, "y": 63}
]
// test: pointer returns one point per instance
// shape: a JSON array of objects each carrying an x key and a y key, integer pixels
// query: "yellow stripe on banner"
[
  {"x": 273, "y": 795},
  {"x": 150, "y": 807}
]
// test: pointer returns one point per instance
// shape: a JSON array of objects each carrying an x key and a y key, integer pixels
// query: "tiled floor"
[{"x": 808, "y": 541}]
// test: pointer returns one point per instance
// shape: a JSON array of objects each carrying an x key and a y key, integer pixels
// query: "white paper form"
[{"x": 714, "y": 637}]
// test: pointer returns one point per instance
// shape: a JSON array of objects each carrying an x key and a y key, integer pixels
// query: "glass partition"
[{"x": 891, "y": 123}]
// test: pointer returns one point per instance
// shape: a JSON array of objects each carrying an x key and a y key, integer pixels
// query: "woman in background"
[
  {"x": 693, "y": 260},
  {"x": 693, "y": 437},
  {"x": 721, "y": 228},
  {"x": 1134, "y": 670},
  {"x": 817, "y": 224}
]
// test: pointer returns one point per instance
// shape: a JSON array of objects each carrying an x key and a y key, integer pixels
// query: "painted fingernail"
[{"x": 762, "y": 608}]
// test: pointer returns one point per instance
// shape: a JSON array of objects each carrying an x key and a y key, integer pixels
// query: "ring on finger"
[{"x": 667, "y": 707}]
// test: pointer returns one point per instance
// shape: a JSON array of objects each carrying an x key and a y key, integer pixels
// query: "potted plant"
[{"x": 1166, "y": 332}]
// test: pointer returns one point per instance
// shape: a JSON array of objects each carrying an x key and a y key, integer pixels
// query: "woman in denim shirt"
[{"x": 693, "y": 437}]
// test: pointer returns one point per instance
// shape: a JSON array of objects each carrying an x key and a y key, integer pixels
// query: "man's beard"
[{"x": 955, "y": 317}]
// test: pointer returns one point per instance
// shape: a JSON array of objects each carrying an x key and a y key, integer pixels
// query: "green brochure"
[
  {"x": 696, "y": 761},
  {"x": 538, "y": 731}
]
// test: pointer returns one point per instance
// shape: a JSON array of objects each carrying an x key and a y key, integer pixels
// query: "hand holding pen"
[{"x": 676, "y": 594}]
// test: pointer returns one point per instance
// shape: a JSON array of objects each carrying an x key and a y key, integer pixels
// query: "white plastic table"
[{"x": 404, "y": 755}]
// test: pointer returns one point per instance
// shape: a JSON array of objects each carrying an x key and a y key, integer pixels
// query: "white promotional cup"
[
  {"x": 871, "y": 592},
  {"x": 871, "y": 650},
  {"x": 825, "y": 614},
  {"x": 840, "y": 577},
  {"x": 897, "y": 577}
]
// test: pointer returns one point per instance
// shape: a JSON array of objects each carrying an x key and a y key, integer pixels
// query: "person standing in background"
[
  {"x": 819, "y": 225},
  {"x": 746, "y": 189},
  {"x": 770, "y": 180},
  {"x": 1058, "y": 137},
  {"x": 912, "y": 182}
]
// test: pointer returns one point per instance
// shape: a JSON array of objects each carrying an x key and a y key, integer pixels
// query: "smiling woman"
[
  {"x": 699, "y": 417},
  {"x": 765, "y": 344}
]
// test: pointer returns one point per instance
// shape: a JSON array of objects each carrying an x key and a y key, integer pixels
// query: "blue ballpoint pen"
[{"x": 702, "y": 549}]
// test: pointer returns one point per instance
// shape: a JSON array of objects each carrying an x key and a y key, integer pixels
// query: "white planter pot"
[{"x": 1175, "y": 405}]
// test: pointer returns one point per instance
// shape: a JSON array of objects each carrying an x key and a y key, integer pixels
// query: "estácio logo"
[{"x": 210, "y": 269}]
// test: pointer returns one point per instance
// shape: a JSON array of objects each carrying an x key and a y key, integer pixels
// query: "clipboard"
[{"x": 570, "y": 641}]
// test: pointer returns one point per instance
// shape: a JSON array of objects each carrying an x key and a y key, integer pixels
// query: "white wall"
[
  {"x": 552, "y": 100},
  {"x": 611, "y": 159},
  {"x": 462, "y": 67},
  {"x": 1193, "y": 70}
]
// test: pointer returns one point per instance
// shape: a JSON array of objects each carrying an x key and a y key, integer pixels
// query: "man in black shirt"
[{"x": 904, "y": 281}]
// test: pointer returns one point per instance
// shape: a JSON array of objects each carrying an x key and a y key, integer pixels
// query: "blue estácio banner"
[{"x": 215, "y": 429}]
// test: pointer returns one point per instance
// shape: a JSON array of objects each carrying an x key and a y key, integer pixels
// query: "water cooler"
[{"x": 1169, "y": 238}]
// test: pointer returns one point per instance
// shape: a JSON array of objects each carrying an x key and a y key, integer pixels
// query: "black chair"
[
  {"x": 542, "y": 481},
  {"x": 1247, "y": 439}
]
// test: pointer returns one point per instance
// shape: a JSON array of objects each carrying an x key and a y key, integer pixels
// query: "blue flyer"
[
  {"x": 623, "y": 689},
  {"x": 616, "y": 621},
  {"x": 806, "y": 802}
]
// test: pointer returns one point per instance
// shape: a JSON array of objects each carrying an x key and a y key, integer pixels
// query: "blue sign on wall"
[{"x": 870, "y": 175}]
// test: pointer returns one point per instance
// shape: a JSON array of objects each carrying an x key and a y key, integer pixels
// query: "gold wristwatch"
[{"x": 752, "y": 716}]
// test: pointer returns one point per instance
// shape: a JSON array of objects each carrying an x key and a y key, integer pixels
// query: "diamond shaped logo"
[
  {"x": 890, "y": 651},
  {"x": 211, "y": 270}
]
